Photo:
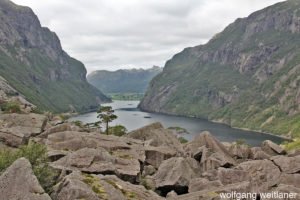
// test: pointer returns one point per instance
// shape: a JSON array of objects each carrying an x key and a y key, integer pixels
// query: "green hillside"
[
  {"x": 34, "y": 63},
  {"x": 246, "y": 76}
]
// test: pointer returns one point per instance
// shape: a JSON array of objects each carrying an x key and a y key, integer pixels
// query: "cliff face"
[
  {"x": 34, "y": 63},
  {"x": 123, "y": 80},
  {"x": 246, "y": 76}
]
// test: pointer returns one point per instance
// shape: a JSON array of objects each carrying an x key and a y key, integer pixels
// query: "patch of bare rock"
[{"x": 149, "y": 163}]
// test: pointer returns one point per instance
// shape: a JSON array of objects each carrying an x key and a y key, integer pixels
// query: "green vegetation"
[
  {"x": 128, "y": 194},
  {"x": 126, "y": 96},
  {"x": 182, "y": 140},
  {"x": 245, "y": 78},
  {"x": 178, "y": 129},
  {"x": 10, "y": 107},
  {"x": 94, "y": 183},
  {"x": 46, "y": 75},
  {"x": 117, "y": 130},
  {"x": 106, "y": 115},
  {"x": 123, "y": 83},
  {"x": 37, "y": 156},
  {"x": 295, "y": 145},
  {"x": 240, "y": 142}
]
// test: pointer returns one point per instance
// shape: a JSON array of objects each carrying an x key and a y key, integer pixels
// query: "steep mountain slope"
[
  {"x": 123, "y": 80},
  {"x": 246, "y": 76},
  {"x": 34, "y": 63}
]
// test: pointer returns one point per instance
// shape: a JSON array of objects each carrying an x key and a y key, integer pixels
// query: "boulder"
[
  {"x": 16, "y": 129},
  {"x": 175, "y": 174},
  {"x": 207, "y": 140},
  {"x": 263, "y": 174},
  {"x": 119, "y": 146},
  {"x": 93, "y": 187},
  {"x": 231, "y": 176},
  {"x": 215, "y": 161},
  {"x": 256, "y": 153},
  {"x": 198, "y": 184},
  {"x": 57, "y": 128},
  {"x": 155, "y": 135},
  {"x": 240, "y": 151},
  {"x": 156, "y": 155},
  {"x": 99, "y": 161},
  {"x": 292, "y": 191},
  {"x": 19, "y": 182},
  {"x": 88, "y": 160},
  {"x": 290, "y": 179},
  {"x": 205, "y": 144},
  {"x": 295, "y": 152},
  {"x": 214, "y": 193},
  {"x": 288, "y": 165},
  {"x": 272, "y": 149},
  {"x": 171, "y": 194},
  {"x": 148, "y": 170}
]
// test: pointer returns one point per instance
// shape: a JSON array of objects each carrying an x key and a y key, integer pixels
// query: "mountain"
[
  {"x": 123, "y": 80},
  {"x": 34, "y": 63},
  {"x": 246, "y": 76}
]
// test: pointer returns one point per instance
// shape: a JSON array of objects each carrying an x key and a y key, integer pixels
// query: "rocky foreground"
[{"x": 149, "y": 163}]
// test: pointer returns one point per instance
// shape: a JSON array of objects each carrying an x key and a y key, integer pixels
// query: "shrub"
[
  {"x": 292, "y": 145},
  {"x": 64, "y": 117},
  {"x": 78, "y": 123},
  {"x": 240, "y": 142},
  {"x": 117, "y": 130},
  {"x": 11, "y": 107},
  {"x": 182, "y": 140},
  {"x": 37, "y": 156}
]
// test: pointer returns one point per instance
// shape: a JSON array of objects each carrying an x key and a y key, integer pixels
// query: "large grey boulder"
[
  {"x": 272, "y": 148},
  {"x": 100, "y": 161},
  {"x": 214, "y": 192},
  {"x": 289, "y": 165},
  {"x": 57, "y": 128},
  {"x": 156, "y": 135},
  {"x": 16, "y": 129},
  {"x": 19, "y": 182},
  {"x": 209, "y": 151},
  {"x": 294, "y": 191},
  {"x": 216, "y": 160},
  {"x": 231, "y": 176},
  {"x": 198, "y": 184},
  {"x": 156, "y": 155},
  {"x": 87, "y": 160},
  {"x": 256, "y": 153},
  {"x": 240, "y": 151},
  {"x": 118, "y": 146},
  {"x": 93, "y": 187},
  {"x": 290, "y": 179},
  {"x": 175, "y": 174},
  {"x": 263, "y": 174}
]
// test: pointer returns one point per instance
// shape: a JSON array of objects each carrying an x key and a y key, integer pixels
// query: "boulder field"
[{"x": 149, "y": 163}]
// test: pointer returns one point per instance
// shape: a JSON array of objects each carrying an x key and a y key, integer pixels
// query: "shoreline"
[
  {"x": 218, "y": 122},
  {"x": 194, "y": 117}
]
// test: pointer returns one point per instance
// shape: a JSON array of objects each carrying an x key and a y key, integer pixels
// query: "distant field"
[{"x": 126, "y": 96}]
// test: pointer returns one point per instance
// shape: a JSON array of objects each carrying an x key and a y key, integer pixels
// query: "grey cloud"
[{"x": 112, "y": 34}]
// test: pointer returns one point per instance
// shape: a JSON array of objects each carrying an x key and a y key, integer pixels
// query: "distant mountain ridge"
[
  {"x": 123, "y": 80},
  {"x": 34, "y": 63},
  {"x": 246, "y": 76}
]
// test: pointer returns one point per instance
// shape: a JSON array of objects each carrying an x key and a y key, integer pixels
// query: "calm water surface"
[{"x": 132, "y": 118}]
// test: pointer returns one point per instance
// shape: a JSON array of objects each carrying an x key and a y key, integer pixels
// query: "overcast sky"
[{"x": 113, "y": 34}]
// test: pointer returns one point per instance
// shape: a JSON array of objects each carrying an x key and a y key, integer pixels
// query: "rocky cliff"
[
  {"x": 34, "y": 63},
  {"x": 123, "y": 80},
  {"x": 246, "y": 76}
]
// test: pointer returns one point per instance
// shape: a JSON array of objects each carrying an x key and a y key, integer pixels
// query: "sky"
[{"x": 115, "y": 34}]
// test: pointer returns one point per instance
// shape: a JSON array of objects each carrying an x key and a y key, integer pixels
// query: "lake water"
[{"x": 132, "y": 118}]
